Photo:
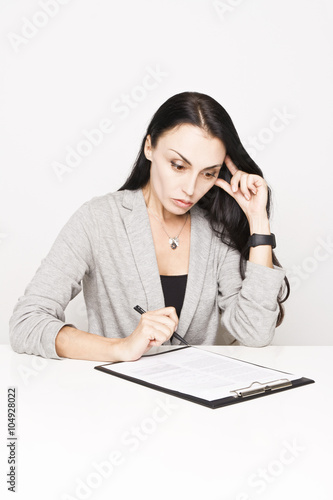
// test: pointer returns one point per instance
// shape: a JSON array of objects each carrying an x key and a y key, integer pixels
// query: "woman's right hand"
[{"x": 154, "y": 328}]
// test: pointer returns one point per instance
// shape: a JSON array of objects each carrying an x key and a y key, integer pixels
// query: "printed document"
[{"x": 199, "y": 373}]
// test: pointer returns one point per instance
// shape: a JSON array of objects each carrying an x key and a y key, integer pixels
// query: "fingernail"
[
  {"x": 247, "y": 196},
  {"x": 234, "y": 189}
]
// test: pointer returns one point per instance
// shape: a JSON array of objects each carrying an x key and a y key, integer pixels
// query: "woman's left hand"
[{"x": 249, "y": 190}]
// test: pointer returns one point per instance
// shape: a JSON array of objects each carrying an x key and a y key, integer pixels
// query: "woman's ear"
[{"x": 147, "y": 148}]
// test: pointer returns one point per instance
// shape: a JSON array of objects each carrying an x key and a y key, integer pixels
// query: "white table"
[{"x": 85, "y": 434}]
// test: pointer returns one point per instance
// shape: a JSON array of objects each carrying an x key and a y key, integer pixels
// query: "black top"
[{"x": 174, "y": 291}]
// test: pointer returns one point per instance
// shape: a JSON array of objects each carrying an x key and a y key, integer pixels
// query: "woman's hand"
[
  {"x": 154, "y": 328},
  {"x": 249, "y": 190}
]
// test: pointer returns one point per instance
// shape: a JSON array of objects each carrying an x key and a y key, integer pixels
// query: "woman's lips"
[{"x": 182, "y": 203}]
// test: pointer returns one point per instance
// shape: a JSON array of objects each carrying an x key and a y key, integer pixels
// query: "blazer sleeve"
[
  {"x": 249, "y": 307},
  {"x": 40, "y": 313}
]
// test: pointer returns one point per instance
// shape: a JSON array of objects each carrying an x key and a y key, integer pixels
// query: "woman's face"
[{"x": 184, "y": 165}]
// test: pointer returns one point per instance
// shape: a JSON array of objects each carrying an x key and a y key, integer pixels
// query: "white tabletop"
[{"x": 85, "y": 434}]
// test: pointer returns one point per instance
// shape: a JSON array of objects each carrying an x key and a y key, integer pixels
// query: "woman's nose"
[{"x": 189, "y": 186}]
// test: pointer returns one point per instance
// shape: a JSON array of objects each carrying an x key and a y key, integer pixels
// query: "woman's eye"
[
  {"x": 209, "y": 175},
  {"x": 176, "y": 166},
  {"x": 181, "y": 168}
]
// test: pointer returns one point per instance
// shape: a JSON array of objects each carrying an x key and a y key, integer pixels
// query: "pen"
[{"x": 175, "y": 334}]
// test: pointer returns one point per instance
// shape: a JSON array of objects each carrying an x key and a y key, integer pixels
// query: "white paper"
[{"x": 199, "y": 373}]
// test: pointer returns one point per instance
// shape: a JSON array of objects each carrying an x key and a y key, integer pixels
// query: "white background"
[{"x": 257, "y": 58}]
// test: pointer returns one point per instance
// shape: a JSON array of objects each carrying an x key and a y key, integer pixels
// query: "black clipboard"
[{"x": 239, "y": 395}]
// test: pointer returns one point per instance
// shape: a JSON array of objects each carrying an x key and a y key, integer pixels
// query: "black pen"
[{"x": 175, "y": 334}]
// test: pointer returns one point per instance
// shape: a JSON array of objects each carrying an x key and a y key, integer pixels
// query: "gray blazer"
[{"x": 107, "y": 249}]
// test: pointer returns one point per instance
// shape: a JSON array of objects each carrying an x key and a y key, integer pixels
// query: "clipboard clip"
[{"x": 261, "y": 387}]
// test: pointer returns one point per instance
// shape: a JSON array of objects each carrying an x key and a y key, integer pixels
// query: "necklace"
[{"x": 174, "y": 242}]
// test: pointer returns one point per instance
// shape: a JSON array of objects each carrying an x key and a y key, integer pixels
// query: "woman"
[{"x": 176, "y": 239}]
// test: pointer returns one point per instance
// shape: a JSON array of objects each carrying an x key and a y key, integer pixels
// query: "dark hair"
[{"x": 226, "y": 217}]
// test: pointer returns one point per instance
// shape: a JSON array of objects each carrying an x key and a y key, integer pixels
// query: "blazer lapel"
[
  {"x": 201, "y": 238},
  {"x": 141, "y": 240}
]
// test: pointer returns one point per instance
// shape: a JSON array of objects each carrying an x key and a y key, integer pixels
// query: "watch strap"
[{"x": 261, "y": 239}]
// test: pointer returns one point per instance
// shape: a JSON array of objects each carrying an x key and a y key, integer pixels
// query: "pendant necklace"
[{"x": 174, "y": 242}]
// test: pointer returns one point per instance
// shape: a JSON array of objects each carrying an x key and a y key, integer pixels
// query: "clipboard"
[{"x": 267, "y": 381}]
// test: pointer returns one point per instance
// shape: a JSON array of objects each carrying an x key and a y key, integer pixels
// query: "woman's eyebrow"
[{"x": 187, "y": 161}]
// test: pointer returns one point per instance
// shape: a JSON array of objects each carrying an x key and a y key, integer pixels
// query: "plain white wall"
[{"x": 68, "y": 66}]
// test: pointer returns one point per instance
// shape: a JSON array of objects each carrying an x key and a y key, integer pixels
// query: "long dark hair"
[{"x": 226, "y": 217}]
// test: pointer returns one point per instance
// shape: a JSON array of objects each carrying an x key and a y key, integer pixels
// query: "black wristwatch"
[{"x": 261, "y": 239}]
